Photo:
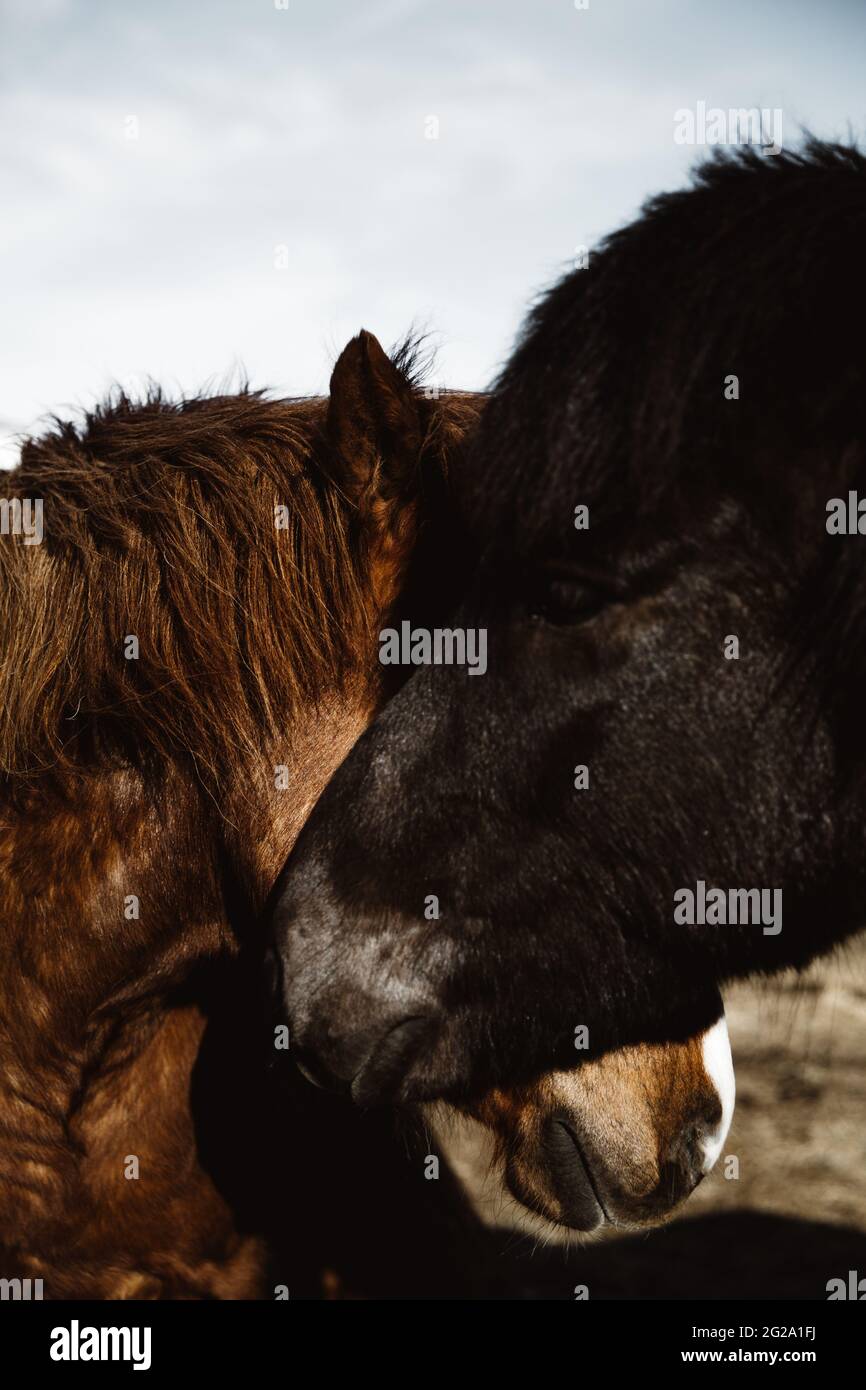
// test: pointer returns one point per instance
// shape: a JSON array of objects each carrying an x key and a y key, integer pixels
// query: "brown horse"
[{"x": 188, "y": 653}]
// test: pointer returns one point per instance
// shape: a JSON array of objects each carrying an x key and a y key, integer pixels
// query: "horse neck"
[
  {"x": 262, "y": 814},
  {"x": 99, "y": 1054}
]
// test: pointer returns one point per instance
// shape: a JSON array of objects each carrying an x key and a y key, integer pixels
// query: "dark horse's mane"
[
  {"x": 159, "y": 522},
  {"x": 614, "y": 396},
  {"x": 606, "y": 358}
]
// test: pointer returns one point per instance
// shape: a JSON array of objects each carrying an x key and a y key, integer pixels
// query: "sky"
[{"x": 195, "y": 188}]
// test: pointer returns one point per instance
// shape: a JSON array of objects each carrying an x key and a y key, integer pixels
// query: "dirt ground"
[
  {"x": 795, "y": 1216},
  {"x": 799, "y": 1127}
]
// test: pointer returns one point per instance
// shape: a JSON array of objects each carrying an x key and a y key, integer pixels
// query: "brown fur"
[
  {"x": 628, "y": 1109},
  {"x": 155, "y": 777}
]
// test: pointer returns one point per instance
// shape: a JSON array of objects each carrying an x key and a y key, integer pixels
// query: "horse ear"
[{"x": 374, "y": 421}]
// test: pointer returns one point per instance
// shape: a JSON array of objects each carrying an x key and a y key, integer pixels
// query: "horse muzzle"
[
  {"x": 621, "y": 1140},
  {"x": 347, "y": 1036}
]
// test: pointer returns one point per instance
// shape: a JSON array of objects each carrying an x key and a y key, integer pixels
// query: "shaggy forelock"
[{"x": 159, "y": 522}]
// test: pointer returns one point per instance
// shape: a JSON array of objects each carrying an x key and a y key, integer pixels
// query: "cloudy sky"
[{"x": 193, "y": 186}]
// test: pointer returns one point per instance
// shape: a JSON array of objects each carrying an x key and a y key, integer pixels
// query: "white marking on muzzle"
[{"x": 719, "y": 1067}]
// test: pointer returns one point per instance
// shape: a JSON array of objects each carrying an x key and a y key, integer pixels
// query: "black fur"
[{"x": 707, "y": 518}]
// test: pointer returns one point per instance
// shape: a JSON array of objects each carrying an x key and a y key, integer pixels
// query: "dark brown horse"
[
  {"x": 187, "y": 656},
  {"x": 188, "y": 653}
]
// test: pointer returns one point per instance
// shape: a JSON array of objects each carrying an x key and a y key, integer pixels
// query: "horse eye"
[{"x": 566, "y": 602}]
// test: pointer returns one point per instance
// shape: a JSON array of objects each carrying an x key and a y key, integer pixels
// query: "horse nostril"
[
  {"x": 570, "y": 1176},
  {"x": 315, "y": 1070},
  {"x": 688, "y": 1154},
  {"x": 380, "y": 1078}
]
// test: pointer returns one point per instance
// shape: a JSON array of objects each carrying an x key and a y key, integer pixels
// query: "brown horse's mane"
[{"x": 159, "y": 522}]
